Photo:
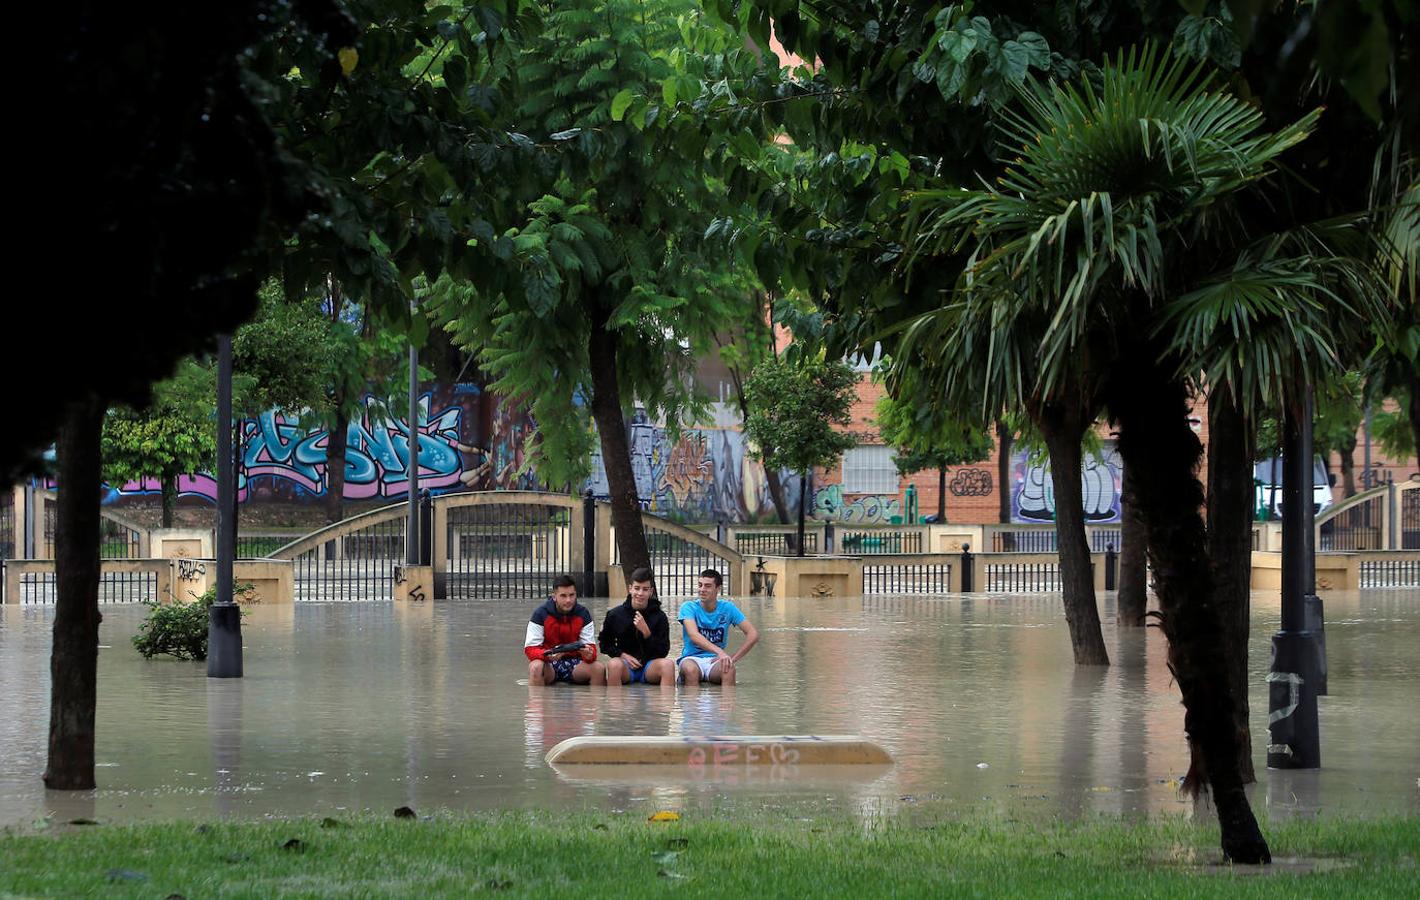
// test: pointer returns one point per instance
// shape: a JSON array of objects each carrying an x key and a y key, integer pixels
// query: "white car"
[{"x": 1267, "y": 479}]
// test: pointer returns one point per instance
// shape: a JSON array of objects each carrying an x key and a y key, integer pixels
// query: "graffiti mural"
[
  {"x": 867, "y": 509},
  {"x": 706, "y": 475},
  {"x": 971, "y": 483},
  {"x": 703, "y": 475},
  {"x": 467, "y": 440},
  {"x": 1101, "y": 477}
]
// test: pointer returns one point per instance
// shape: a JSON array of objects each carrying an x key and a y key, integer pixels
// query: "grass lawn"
[{"x": 545, "y": 855}]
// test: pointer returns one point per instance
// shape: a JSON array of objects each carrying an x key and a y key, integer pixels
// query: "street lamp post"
[
  {"x": 1294, "y": 732},
  {"x": 224, "y": 623}
]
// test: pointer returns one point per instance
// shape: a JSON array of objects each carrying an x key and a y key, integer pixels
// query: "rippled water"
[{"x": 359, "y": 706}]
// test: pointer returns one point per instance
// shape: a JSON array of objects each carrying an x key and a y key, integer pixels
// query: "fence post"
[
  {"x": 1391, "y": 512},
  {"x": 828, "y": 538},
  {"x": 589, "y": 543},
  {"x": 967, "y": 579},
  {"x": 426, "y": 529},
  {"x": 1111, "y": 567}
]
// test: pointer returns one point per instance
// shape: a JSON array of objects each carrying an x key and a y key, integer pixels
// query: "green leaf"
[
  {"x": 668, "y": 90},
  {"x": 620, "y": 102},
  {"x": 1014, "y": 61}
]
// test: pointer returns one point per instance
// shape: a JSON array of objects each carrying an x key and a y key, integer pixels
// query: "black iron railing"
[
  {"x": 1357, "y": 528},
  {"x": 907, "y": 578},
  {"x": 774, "y": 543},
  {"x": 506, "y": 550},
  {"x": 1410, "y": 520},
  {"x": 879, "y": 541},
  {"x": 678, "y": 563},
  {"x": 41, "y": 588},
  {"x": 1390, "y": 573},
  {"x": 358, "y": 566}
]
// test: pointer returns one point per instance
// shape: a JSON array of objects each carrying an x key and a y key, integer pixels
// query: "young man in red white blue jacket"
[{"x": 562, "y": 620}]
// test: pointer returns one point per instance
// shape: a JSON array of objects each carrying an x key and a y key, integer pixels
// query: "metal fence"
[
  {"x": 42, "y": 588},
  {"x": 1390, "y": 573},
  {"x": 1047, "y": 540},
  {"x": 7, "y": 527},
  {"x": 116, "y": 540},
  {"x": 1357, "y": 528},
  {"x": 907, "y": 578},
  {"x": 261, "y": 546},
  {"x": 774, "y": 543},
  {"x": 506, "y": 550},
  {"x": 1410, "y": 520},
  {"x": 356, "y": 566},
  {"x": 879, "y": 540},
  {"x": 679, "y": 561},
  {"x": 1020, "y": 577}
]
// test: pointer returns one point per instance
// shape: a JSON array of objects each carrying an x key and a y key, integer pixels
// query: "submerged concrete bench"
[{"x": 721, "y": 750}]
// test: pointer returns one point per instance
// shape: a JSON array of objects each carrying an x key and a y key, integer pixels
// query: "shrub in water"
[{"x": 178, "y": 629}]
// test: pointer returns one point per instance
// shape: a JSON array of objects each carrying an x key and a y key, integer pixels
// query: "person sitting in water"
[
  {"x": 562, "y": 621},
  {"x": 705, "y": 626},
  {"x": 636, "y": 636}
]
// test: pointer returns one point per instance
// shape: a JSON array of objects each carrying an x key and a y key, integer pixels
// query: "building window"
[{"x": 869, "y": 470}]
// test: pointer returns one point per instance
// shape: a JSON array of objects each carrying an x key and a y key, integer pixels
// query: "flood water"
[{"x": 368, "y": 706}]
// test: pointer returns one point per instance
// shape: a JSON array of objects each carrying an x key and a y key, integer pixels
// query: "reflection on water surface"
[{"x": 348, "y": 707}]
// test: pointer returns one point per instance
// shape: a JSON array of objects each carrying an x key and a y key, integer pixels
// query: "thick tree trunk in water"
[
  {"x": 1004, "y": 442},
  {"x": 1230, "y": 511},
  {"x": 169, "y": 486},
  {"x": 1155, "y": 440},
  {"x": 1063, "y": 431},
  {"x": 335, "y": 442},
  {"x": 616, "y": 451},
  {"x": 74, "y": 659},
  {"x": 1133, "y": 557}
]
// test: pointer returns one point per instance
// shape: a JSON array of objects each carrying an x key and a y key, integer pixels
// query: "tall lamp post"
[
  {"x": 1293, "y": 684},
  {"x": 224, "y": 623},
  {"x": 411, "y": 531}
]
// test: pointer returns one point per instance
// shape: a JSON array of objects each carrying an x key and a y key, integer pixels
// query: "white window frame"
[{"x": 869, "y": 469}]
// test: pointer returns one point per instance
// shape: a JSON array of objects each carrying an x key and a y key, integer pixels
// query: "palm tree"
[{"x": 1113, "y": 250}]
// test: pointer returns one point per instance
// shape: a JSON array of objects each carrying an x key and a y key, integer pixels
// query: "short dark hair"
[
  {"x": 642, "y": 575},
  {"x": 716, "y": 576},
  {"x": 563, "y": 581}
]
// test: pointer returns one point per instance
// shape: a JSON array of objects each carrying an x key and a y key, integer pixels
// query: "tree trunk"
[
  {"x": 1133, "y": 557},
  {"x": 1347, "y": 452},
  {"x": 1005, "y": 440},
  {"x": 1414, "y": 410},
  {"x": 776, "y": 494},
  {"x": 803, "y": 503},
  {"x": 1063, "y": 430},
  {"x": 1230, "y": 511},
  {"x": 616, "y": 450},
  {"x": 74, "y": 658},
  {"x": 169, "y": 488},
  {"x": 336, "y": 437},
  {"x": 1155, "y": 440},
  {"x": 771, "y": 475},
  {"x": 335, "y": 442},
  {"x": 941, "y": 495}
]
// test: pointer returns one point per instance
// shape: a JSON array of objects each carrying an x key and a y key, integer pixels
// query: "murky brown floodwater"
[{"x": 348, "y": 707}]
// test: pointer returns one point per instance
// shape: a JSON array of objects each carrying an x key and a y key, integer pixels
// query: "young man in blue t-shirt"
[{"x": 704, "y": 627}]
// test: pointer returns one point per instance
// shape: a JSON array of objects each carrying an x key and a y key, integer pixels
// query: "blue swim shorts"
[{"x": 563, "y": 668}]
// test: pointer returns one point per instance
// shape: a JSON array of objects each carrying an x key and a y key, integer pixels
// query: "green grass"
[{"x": 546, "y": 855}]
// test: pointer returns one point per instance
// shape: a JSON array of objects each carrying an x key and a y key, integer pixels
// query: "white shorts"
[{"x": 704, "y": 662}]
